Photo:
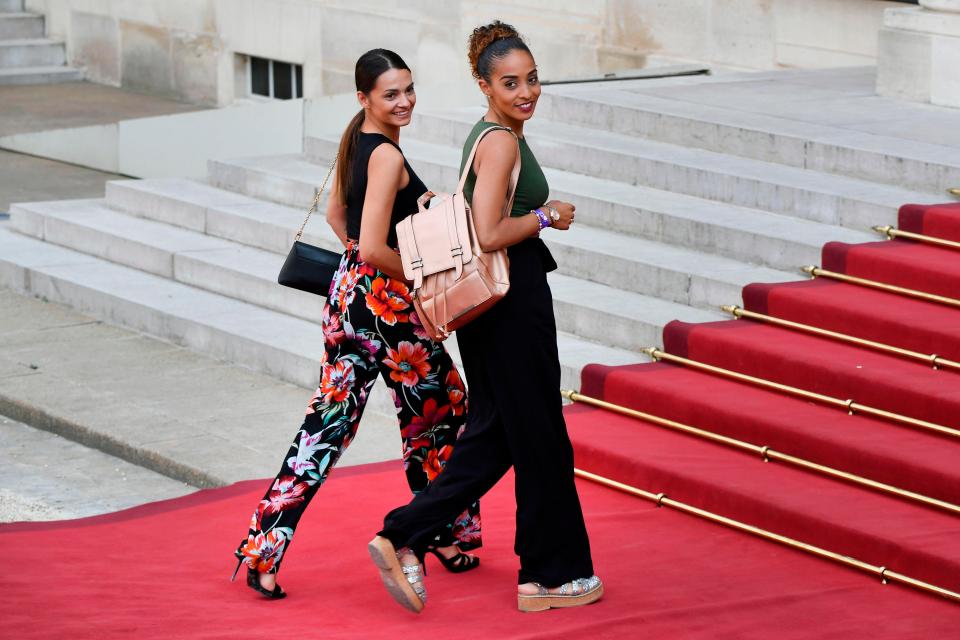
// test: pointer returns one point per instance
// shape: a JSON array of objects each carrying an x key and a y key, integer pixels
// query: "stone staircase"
[
  {"x": 679, "y": 208},
  {"x": 26, "y": 55}
]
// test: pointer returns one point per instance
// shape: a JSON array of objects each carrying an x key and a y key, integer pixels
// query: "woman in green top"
[{"x": 510, "y": 359}]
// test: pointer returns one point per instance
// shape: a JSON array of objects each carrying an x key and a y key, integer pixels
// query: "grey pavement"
[
  {"x": 46, "y": 477},
  {"x": 29, "y": 108},
  {"x": 158, "y": 405}
]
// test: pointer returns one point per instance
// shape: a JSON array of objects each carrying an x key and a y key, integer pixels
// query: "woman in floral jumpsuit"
[{"x": 370, "y": 329}]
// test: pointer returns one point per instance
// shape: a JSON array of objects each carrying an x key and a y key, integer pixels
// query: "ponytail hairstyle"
[
  {"x": 370, "y": 66},
  {"x": 489, "y": 43}
]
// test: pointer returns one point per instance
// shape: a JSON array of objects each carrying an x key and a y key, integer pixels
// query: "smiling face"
[
  {"x": 513, "y": 86},
  {"x": 390, "y": 103}
]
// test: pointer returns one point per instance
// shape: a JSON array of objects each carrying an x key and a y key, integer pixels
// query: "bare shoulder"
[
  {"x": 497, "y": 146},
  {"x": 386, "y": 157}
]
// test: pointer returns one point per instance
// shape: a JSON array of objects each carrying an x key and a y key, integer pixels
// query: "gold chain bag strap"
[
  {"x": 307, "y": 267},
  {"x": 454, "y": 279}
]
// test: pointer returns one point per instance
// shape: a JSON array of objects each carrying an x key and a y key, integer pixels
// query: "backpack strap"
[
  {"x": 514, "y": 175},
  {"x": 416, "y": 262}
]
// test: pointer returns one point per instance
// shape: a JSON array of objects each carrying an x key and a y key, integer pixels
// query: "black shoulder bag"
[{"x": 307, "y": 267}]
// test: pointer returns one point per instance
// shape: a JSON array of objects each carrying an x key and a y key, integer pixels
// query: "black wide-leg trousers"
[{"x": 514, "y": 418}]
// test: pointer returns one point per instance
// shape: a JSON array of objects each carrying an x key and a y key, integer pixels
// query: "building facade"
[{"x": 213, "y": 52}]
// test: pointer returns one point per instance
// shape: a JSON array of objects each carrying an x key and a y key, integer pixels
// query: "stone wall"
[
  {"x": 750, "y": 34},
  {"x": 167, "y": 47},
  {"x": 193, "y": 49}
]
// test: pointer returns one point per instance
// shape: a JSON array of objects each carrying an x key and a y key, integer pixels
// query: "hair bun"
[{"x": 483, "y": 36}]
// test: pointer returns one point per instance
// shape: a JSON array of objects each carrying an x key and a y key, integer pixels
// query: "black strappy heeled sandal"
[
  {"x": 458, "y": 563},
  {"x": 253, "y": 581}
]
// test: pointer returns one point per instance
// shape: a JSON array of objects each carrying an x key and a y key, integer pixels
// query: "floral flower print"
[
  {"x": 410, "y": 363},
  {"x": 365, "y": 341},
  {"x": 387, "y": 298},
  {"x": 333, "y": 330},
  {"x": 264, "y": 550},
  {"x": 456, "y": 393},
  {"x": 347, "y": 286},
  {"x": 419, "y": 428},
  {"x": 285, "y": 493},
  {"x": 336, "y": 381},
  {"x": 433, "y": 465},
  {"x": 305, "y": 460},
  {"x": 397, "y": 400},
  {"x": 418, "y": 329},
  {"x": 467, "y": 528},
  {"x": 374, "y": 334}
]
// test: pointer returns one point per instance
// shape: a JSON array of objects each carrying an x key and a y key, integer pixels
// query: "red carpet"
[
  {"x": 903, "y": 263},
  {"x": 899, "y": 321},
  {"x": 160, "y": 571},
  {"x": 867, "y": 446},
  {"x": 821, "y": 365},
  {"x": 940, "y": 221}
]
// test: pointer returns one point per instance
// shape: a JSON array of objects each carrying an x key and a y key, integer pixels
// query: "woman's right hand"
[{"x": 566, "y": 211}]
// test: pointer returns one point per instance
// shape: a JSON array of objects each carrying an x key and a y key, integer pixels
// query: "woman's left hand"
[{"x": 567, "y": 214}]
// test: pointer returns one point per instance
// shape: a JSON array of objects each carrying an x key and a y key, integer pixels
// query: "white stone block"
[
  {"x": 919, "y": 55},
  {"x": 26, "y": 221},
  {"x": 131, "y": 197},
  {"x": 94, "y": 146},
  {"x": 31, "y": 53},
  {"x": 20, "y": 26},
  {"x": 39, "y": 75},
  {"x": 248, "y": 275},
  {"x": 180, "y": 145},
  {"x": 945, "y": 70},
  {"x": 931, "y": 22}
]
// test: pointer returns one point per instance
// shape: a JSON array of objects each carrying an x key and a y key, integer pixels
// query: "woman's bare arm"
[
  {"x": 493, "y": 165},
  {"x": 384, "y": 176},
  {"x": 337, "y": 213}
]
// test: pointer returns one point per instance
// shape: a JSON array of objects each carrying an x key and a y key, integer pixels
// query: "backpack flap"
[{"x": 434, "y": 240}]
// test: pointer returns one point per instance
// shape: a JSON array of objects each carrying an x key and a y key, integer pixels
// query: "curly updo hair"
[{"x": 492, "y": 42}]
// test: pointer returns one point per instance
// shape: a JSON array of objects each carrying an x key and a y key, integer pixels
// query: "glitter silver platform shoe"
[
  {"x": 575, "y": 593},
  {"x": 404, "y": 582}
]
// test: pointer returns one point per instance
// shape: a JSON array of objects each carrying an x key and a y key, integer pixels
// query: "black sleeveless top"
[{"x": 403, "y": 205}]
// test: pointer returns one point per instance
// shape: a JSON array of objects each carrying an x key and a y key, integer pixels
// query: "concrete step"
[
  {"x": 890, "y": 160},
  {"x": 812, "y": 195},
  {"x": 39, "y": 75},
  {"x": 11, "y": 6},
  {"x": 274, "y": 343},
  {"x": 641, "y": 266},
  {"x": 741, "y": 233},
  {"x": 21, "y": 26},
  {"x": 35, "y": 52},
  {"x": 210, "y": 263},
  {"x": 284, "y": 179},
  {"x": 591, "y": 310},
  {"x": 220, "y": 213},
  {"x": 613, "y": 316}
]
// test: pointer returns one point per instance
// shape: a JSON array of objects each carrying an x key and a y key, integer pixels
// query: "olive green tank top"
[{"x": 532, "y": 187}]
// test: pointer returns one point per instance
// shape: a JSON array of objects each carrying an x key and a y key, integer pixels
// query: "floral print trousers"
[{"x": 370, "y": 328}]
